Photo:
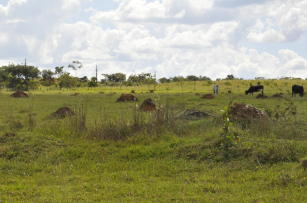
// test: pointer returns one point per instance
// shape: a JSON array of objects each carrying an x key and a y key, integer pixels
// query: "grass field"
[{"x": 112, "y": 152}]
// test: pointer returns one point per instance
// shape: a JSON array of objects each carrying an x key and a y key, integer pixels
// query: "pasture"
[{"x": 112, "y": 152}]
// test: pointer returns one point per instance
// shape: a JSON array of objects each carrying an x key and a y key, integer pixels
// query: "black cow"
[
  {"x": 253, "y": 89},
  {"x": 297, "y": 89}
]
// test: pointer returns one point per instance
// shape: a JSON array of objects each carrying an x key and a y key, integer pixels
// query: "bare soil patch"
[
  {"x": 207, "y": 96},
  {"x": 127, "y": 98},
  {"x": 278, "y": 95},
  {"x": 63, "y": 112},
  {"x": 148, "y": 105},
  {"x": 191, "y": 114},
  {"x": 19, "y": 94},
  {"x": 244, "y": 112}
]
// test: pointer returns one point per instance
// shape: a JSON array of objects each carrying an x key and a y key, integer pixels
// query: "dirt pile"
[
  {"x": 127, "y": 98},
  {"x": 63, "y": 112},
  {"x": 207, "y": 96},
  {"x": 261, "y": 96},
  {"x": 19, "y": 94},
  {"x": 191, "y": 114},
  {"x": 9, "y": 135},
  {"x": 148, "y": 105},
  {"x": 246, "y": 113},
  {"x": 278, "y": 95}
]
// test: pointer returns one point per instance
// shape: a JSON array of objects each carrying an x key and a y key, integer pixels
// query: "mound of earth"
[
  {"x": 63, "y": 112},
  {"x": 246, "y": 113},
  {"x": 148, "y": 105},
  {"x": 208, "y": 96},
  {"x": 9, "y": 135},
  {"x": 19, "y": 94},
  {"x": 127, "y": 98},
  {"x": 261, "y": 96},
  {"x": 278, "y": 95},
  {"x": 191, "y": 114}
]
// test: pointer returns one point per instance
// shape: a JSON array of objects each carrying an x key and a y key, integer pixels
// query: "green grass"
[{"x": 48, "y": 160}]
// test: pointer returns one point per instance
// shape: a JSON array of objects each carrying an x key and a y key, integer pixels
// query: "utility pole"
[
  {"x": 96, "y": 74},
  {"x": 25, "y": 62}
]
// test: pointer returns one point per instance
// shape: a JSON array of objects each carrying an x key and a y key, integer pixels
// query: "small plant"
[
  {"x": 230, "y": 136},
  {"x": 31, "y": 121}
]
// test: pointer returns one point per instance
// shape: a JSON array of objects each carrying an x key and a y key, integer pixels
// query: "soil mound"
[
  {"x": 9, "y": 135},
  {"x": 208, "y": 96},
  {"x": 148, "y": 105},
  {"x": 261, "y": 96},
  {"x": 127, "y": 98},
  {"x": 247, "y": 113},
  {"x": 63, "y": 112},
  {"x": 19, "y": 94},
  {"x": 191, "y": 114},
  {"x": 278, "y": 95}
]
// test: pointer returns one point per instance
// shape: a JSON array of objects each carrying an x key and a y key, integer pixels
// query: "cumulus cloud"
[{"x": 170, "y": 37}]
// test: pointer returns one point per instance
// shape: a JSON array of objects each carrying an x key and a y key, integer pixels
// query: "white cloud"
[{"x": 171, "y": 37}]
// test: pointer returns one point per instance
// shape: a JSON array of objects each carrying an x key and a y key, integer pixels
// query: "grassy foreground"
[{"x": 112, "y": 152}]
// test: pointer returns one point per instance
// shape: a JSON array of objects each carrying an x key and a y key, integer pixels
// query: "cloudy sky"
[{"x": 247, "y": 38}]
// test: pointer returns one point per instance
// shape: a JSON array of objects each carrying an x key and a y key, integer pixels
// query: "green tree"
[
  {"x": 47, "y": 78},
  {"x": 143, "y": 78},
  {"x": 67, "y": 81},
  {"x": 93, "y": 82},
  {"x": 83, "y": 79},
  {"x": 164, "y": 80},
  {"x": 59, "y": 70},
  {"x": 230, "y": 77},
  {"x": 19, "y": 77},
  {"x": 178, "y": 79},
  {"x": 192, "y": 78},
  {"x": 116, "y": 77}
]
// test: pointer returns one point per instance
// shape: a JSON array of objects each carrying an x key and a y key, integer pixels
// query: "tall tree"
[{"x": 19, "y": 77}]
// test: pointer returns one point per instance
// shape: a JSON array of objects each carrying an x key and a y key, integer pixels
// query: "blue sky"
[{"x": 248, "y": 38}]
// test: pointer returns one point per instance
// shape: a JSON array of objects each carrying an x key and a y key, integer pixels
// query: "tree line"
[{"x": 24, "y": 77}]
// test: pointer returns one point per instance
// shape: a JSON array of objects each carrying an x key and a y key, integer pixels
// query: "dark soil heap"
[
  {"x": 194, "y": 115},
  {"x": 246, "y": 113},
  {"x": 19, "y": 94},
  {"x": 148, "y": 105},
  {"x": 127, "y": 98},
  {"x": 63, "y": 112},
  {"x": 278, "y": 95},
  {"x": 261, "y": 96},
  {"x": 208, "y": 96}
]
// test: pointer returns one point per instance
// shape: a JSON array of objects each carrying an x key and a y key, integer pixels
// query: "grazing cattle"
[
  {"x": 253, "y": 89},
  {"x": 297, "y": 89}
]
